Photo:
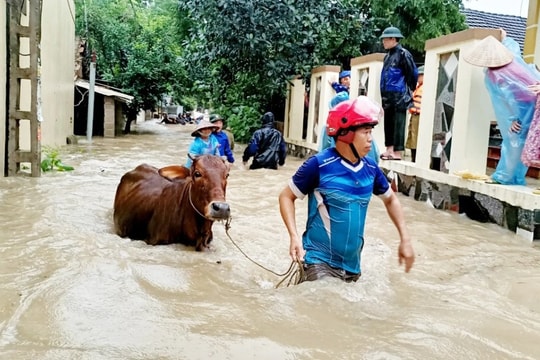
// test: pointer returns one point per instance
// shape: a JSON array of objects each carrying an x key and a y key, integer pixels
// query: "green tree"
[
  {"x": 136, "y": 46},
  {"x": 235, "y": 56},
  {"x": 240, "y": 53},
  {"x": 419, "y": 21},
  {"x": 256, "y": 45}
]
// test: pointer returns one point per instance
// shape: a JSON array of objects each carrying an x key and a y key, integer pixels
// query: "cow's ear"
[{"x": 174, "y": 172}]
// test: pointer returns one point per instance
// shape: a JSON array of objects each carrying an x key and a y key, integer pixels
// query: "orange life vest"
[{"x": 417, "y": 100}]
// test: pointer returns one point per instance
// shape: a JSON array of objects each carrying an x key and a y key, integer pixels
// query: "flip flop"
[
  {"x": 493, "y": 182},
  {"x": 388, "y": 157}
]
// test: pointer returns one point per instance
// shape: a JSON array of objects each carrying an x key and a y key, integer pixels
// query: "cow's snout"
[{"x": 220, "y": 210}]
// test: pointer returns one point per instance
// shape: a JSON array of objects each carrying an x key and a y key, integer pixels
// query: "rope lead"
[{"x": 294, "y": 276}]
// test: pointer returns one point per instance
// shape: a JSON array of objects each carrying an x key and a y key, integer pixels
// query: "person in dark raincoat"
[{"x": 267, "y": 146}]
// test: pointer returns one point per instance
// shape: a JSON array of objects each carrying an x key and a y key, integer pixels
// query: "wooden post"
[{"x": 24, "y": 59}]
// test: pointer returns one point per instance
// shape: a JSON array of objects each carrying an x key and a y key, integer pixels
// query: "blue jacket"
[
  {"x": 224, "y": 146},
  {"x": 398, "y": 79}
]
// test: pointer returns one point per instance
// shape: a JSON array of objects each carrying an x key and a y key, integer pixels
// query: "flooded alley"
[{"x": 72, "y": 289}]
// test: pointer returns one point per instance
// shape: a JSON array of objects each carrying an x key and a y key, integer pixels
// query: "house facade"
[{"x": 53, "y": 80}]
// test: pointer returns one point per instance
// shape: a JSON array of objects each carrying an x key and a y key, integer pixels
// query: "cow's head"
[{"x": 209, "y": 175}]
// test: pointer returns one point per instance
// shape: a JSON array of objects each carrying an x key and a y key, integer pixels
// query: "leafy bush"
[
  {"x": 53, "y": 162},
  {"x": 243, "y": 120}
]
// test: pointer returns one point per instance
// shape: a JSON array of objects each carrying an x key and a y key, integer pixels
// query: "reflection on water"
[{"x": 72, "y": 289}]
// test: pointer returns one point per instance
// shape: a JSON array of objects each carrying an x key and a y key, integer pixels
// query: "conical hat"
[
  {"x": 203, "y": 124},
  {"x": 489, "y": 52}
]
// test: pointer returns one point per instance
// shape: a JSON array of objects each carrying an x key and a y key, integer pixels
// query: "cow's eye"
[{"x": 197, "y": 174}]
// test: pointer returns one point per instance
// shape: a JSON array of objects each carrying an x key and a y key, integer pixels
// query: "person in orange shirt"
[{"x": 412, "y": 137}]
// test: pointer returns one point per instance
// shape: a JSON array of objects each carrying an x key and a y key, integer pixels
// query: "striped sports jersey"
[{"x": 339, "y": 194}]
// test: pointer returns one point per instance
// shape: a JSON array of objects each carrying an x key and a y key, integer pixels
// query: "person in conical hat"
[
  {"x": 205, "y": 143},
  {"x": 202, "y": 125},
  {"x": 489, "y": 52},
  {"x": 507, "y": 79}
]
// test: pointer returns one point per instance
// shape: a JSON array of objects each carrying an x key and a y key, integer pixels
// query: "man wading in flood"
[{"x": 339, "y": 182}]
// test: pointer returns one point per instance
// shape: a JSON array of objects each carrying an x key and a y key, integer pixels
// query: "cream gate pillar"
[
  {"x": 320, "y": 94},
  {"x": 456, "y": 107},
  {"x": 365, "y": 80},
  {"x": 295, "y": 111}
]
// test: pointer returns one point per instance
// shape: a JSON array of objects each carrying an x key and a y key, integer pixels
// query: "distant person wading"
[{"x": 267, "y": 146}]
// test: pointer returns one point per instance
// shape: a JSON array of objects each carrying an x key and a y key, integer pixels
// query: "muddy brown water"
[{"x": 72, "y": 289}]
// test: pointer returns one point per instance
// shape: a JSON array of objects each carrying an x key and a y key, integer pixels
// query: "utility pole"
[{"x": 90, "y": 115}]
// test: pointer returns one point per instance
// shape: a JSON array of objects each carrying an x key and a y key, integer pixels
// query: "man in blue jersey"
[{"x": 339, "y": 182}]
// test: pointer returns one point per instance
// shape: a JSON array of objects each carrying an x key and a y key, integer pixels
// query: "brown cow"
[{"x": 173, "y": 204}]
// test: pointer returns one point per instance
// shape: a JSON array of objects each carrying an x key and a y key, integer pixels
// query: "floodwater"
[{"x": 72, "y": 289}]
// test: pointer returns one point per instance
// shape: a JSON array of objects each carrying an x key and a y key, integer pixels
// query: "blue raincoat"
[{"x": 512, "y": 101}]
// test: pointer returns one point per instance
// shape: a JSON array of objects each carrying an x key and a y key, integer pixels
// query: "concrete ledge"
[
  {"x": 513, "y": 207},
  {"x": 516, "y": 195}
]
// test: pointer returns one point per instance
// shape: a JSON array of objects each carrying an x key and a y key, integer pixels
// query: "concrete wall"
[
  {"x": 3, "y": 84},
  {"x": 58, "y": 71},
  {"x": 109, "y": 118},
  {"x": 365, "y": 80},
  {"x": 530, "y": 48},
  {"x": 469, "y": 130},
  {"x": 57, "y": 77},
  {"x": 302, "y": 132}
]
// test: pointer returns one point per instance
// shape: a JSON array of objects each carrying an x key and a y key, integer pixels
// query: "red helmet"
[{"x": 361, "y": 111}]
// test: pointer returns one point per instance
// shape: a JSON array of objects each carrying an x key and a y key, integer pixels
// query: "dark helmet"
[
  {"x": 216, "y": 117},
  {"x": 391, "y": 32},
  {"x": 361, "y": 111},
  {"x": 267, "y": 118}
]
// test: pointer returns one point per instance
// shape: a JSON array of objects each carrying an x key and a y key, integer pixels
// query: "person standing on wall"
[
  {"x": 398, "y": 77},
  {"x": 412, "y": 137},
  {"x": 507, "y": 79}
]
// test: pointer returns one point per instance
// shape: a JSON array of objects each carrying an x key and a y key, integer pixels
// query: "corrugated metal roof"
[
  {"x": 105, "y": 91},
  {"x": 514, "y": 26}
]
